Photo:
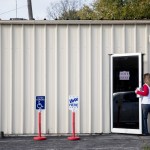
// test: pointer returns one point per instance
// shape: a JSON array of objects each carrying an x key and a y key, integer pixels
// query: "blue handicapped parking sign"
[{"x": 40, "y": 102}]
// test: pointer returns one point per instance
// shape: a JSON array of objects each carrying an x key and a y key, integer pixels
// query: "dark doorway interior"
[{"x": 125, "y": 102}]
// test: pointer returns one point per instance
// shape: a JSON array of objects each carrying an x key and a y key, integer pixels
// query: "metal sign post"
[
  {"x": 40, "y": 105},
  {"x": 73, "y": 106}
]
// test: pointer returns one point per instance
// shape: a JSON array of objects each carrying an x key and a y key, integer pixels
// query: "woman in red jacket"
[{"x": 145, "y": 94}]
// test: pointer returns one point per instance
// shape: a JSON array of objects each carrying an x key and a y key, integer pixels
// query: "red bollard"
[
  {"x": 73, "y": 137},
  {"x": 39, "y": 137}
]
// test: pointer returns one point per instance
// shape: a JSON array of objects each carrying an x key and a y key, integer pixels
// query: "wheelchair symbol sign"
[{"x": 40, "y": 102}]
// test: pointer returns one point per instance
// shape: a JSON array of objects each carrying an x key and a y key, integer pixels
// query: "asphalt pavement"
[{"x": 86, "y": 142}]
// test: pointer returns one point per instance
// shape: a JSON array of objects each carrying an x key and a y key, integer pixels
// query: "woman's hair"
[{"x": 147, "y": 78}]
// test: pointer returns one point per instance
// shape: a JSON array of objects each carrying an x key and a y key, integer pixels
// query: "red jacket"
[{"x": 144, "y": 91}]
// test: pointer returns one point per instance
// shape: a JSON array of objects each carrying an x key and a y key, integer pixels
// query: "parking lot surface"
[{"x": 86, "y": 142}]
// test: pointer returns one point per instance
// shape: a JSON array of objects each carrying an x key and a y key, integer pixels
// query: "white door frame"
[{"x": 123, "y": 130}]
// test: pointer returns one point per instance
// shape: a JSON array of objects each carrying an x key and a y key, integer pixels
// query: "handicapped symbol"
[{"x": 39, "y": 105}]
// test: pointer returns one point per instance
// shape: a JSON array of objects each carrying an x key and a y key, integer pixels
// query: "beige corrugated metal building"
[{"x": 58, "y": 59}]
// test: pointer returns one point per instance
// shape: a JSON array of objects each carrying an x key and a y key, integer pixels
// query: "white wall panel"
[
  {"x": 62, "y": 79},
  {"x": 73, "y": 66},
  {"x": 141, "y": 39},
  {"x": 29, "y": 93},
  {"x": 147, "y": 41},
  {"x": 51, "y": 79},
  {"x": 17, "y": 78},
  {"x": 106, "y": 50},
  {"x": 118, "y": 39},
  {"x": 40, "y": 67},
  {"x": 85, "y": 79},
  {"x": 130, "y": 38},
  {"x": 96, "y": 80},
  {"x": 58, "y": 59},
  {"x": 6, "y": 79}
]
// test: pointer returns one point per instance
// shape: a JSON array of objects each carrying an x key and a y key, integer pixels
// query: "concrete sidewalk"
[{"x": 90, "y": 142}]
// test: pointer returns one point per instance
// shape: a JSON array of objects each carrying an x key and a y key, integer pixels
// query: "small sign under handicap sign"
[
  {"x": 73, "y": 103},
  {"x": 40, "y": 102}
]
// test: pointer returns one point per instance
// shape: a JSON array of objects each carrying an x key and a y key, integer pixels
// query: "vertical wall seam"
[
  {"x": 0, "y": 78},
  {"x": 135, "y": 38},
  {"x": 11, "y": 81},
  {"x": 79, "y": 78},
  {"x": 33, "y": 75},
  {"x": 124, "y": 38},
  {"x": 56, "y": 78},
  {"x": 90, "y": 79},
  {"x": 110, "y": 75},
  {"x": 22, "y": 81},
  {"x": 101, "y": 78},
  {"x": 146, "y": 46},
  {"x": 112, "y": 38},
  {"x": 67, "y": 63},
  {"x": 45, "y": 71}
]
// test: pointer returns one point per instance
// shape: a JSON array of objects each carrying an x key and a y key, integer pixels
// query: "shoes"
[{"x": 145, "y": 134}]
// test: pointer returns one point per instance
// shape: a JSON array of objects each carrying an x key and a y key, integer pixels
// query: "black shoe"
[{"x": 145, "y": 134}]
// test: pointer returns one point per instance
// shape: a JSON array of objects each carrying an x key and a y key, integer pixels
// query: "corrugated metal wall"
[{"x": 58, "y": 59}]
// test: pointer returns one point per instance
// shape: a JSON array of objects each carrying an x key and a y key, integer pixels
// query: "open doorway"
[{"x": 126, "y": 76}]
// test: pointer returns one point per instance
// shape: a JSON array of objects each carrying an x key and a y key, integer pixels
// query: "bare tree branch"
[{"x": 65, "y": 9}]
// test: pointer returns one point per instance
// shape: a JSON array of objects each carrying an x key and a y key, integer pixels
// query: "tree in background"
[
  {"x": 101, "y": 9},
  {"x": 63, "y": 10},
  {"x": 86, "y": 13},
  {"x": 122, "y": 9}
]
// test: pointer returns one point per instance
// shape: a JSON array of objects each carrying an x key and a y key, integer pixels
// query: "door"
[{"x": 126, "y": 71}]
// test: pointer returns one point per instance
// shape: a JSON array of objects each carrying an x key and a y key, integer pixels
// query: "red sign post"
[
  {"x": 39, "y": 137},
  {"x": 40, "y": 104},
  {"x": 73, "y": 105}
]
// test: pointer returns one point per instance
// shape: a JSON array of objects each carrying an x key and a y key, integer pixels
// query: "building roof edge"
[{"x": 74, "y": 22}]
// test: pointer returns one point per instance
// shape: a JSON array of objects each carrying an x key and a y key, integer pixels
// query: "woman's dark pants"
[{"x": 145, "y": 111}]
